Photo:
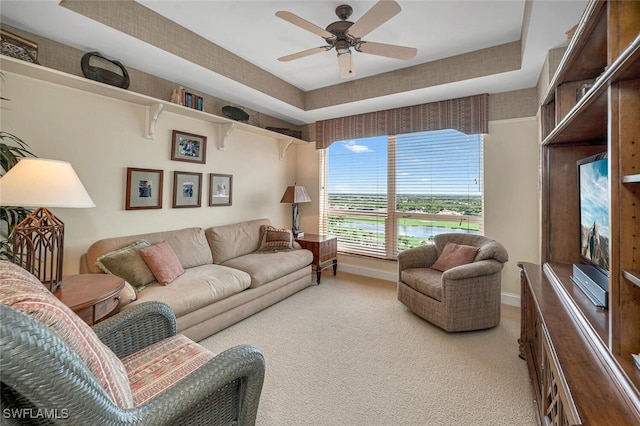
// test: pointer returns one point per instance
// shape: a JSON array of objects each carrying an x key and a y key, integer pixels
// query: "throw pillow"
[
  {"x": 163, "y": 262},
  {"x": 274, "y": 239},
  {"x": 454, "y": 255},
  {"x": 127, "y": 264}
]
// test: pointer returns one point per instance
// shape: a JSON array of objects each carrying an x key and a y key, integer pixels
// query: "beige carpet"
[{"x": 347, "y": 352}]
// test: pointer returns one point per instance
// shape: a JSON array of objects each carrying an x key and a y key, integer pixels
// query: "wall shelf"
[
  {"x": 632, "y": 276},
  {"x": 154, "y": 108},
  {"x": 631, "y": 179},
  {"x": 588, "y": 118}
]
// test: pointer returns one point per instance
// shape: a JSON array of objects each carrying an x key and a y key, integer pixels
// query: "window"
[{"x": 384, "y": 194}]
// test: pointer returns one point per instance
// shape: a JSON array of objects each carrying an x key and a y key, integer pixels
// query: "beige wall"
[
  {"x": 101, "y": 137},
  {"x": 511, "y": 195}
]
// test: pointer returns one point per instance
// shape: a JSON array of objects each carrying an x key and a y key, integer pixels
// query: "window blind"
[{"x": 385, "y": 194}]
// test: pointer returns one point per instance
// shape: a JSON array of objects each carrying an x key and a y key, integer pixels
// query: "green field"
[
  {"x": 432, "y": 204},
  {"x": 369, "y": 231}
]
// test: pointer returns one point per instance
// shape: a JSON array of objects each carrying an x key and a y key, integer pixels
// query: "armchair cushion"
[
  {"x": 22, "y": 291},
  {"x": 425, "y": 280},
  {"x": 454, "y": 255},
  {"x": 160, "y": 366}
]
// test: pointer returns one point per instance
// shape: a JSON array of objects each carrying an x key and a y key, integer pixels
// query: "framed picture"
[
  {"x": 186, "y": 189},
  {"x": 188, "y": 147},
  {"x": 17, "y": 47},
  {"x": 144, "y": 189},
  {"x": 220, "y": 187}
]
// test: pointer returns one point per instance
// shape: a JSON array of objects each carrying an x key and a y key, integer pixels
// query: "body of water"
[{"x": 411, "y": 231}]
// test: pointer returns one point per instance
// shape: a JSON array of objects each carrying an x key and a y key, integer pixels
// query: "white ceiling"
[{"x": 250, "y": 29}]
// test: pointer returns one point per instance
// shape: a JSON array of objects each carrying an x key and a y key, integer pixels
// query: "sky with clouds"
[{"x": 425, "y": 164}]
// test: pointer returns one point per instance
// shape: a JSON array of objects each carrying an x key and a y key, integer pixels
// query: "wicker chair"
[
  {"x": 463, "y": 298},
  {"x": 45, "y": 380}
]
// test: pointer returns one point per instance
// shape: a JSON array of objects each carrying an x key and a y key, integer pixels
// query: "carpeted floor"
[{"x": 347, "y": 352}]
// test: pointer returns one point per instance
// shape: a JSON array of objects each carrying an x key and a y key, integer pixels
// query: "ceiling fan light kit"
[{"x": 344, "y": 35}]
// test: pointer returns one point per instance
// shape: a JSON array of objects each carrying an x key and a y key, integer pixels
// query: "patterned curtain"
[{"x": 468, "y": 115}]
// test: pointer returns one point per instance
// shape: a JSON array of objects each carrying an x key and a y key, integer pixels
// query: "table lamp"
[
  {"x": 295, "y": 194},
  {"x": 38, "y": 241}
]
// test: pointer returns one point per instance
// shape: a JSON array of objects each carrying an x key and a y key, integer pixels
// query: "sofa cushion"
[
  {"x": 163, "y": 262},
  {"x": 230, "y": 241},
  {"x": 264, "y": 267},
  {"x": 197, "y": 287},
  {"x": 274, "y": 239},
  {"x": 190, "y": 245},
  {"x": 127, "y": 264},
  {"x": 21, "y": 290},
  {"x": 454, "y": 255},
  {"x": 424, "y": 280},
  {"x": 162, "y": 365}
]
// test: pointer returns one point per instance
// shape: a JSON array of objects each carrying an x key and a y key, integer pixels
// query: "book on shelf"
[
  {"x": 184, "y": 98},
  {"x": 636, "y": 359}
]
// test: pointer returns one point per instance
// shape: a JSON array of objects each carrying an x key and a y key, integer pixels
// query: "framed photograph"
[
  {"x": 188, "y": 147},
  {"x": 144, "y": 189},
  {"x": 220, "y": 187},
  {"x": 186, "y": 189}
]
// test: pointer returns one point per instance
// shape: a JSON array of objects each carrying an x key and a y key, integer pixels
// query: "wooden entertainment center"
[{"x": 580, "y": 356}]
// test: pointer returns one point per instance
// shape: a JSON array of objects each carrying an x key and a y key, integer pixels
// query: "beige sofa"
[{"x": 226, "y": 277}]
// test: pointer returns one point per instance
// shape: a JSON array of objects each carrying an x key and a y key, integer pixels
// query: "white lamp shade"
[{"x": 38, "y": 182}]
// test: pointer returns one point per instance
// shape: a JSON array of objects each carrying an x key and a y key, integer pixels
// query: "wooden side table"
[
  {"x": 324, "y": 249},
  {"x": 91, "y": 296}
]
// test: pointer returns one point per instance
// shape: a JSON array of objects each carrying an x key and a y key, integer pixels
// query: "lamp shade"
[
  {"x": 38, "y": 182},
  {"x": 295, "y": 194}
]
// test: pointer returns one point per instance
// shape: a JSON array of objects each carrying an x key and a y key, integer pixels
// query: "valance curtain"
[{"x": 468, "y": 115}]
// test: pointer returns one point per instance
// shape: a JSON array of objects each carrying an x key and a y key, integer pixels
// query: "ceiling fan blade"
[
  {"x": 388, "y": 50},
  {"x": 380, "y": 13},
  {"x": 345, "y": 63},
  {"x": 304, "y": 24},
  {"x": 304, "y": 53}
]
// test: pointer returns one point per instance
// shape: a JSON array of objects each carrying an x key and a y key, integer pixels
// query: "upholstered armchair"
[
  {"x": 465, "y": 293},
  {"x": 131, "y": 369}
]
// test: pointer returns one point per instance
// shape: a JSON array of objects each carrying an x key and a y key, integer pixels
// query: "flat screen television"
[
  {"x": 592, "y": 275},
  {"x": 593, "y": 180}
]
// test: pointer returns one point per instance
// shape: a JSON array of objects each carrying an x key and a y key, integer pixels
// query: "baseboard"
[
  {"x": 506, "y": 298},
  {"x": 368, "y": 272},
  {"x": 510, "y": 299}
]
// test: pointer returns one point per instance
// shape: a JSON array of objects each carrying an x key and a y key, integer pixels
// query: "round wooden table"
[{"x": 91, "y": 296}]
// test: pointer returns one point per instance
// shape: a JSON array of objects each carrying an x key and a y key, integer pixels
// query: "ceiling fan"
[{"x": 344, "y": 35}]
